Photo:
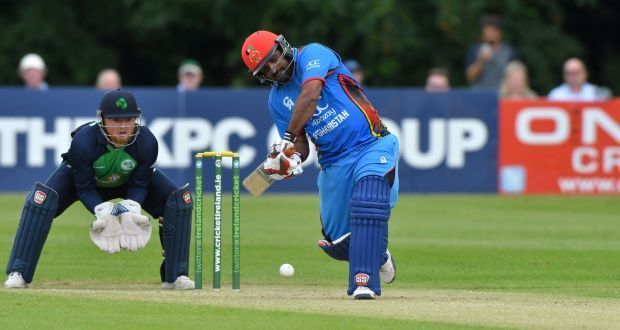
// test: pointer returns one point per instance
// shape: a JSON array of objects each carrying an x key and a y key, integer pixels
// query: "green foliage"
[{"x": 396, "y": 41}]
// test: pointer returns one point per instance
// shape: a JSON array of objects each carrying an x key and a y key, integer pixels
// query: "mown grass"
[{"x": 558, "y": 246}]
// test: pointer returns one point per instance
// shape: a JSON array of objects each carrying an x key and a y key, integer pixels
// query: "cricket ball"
[{"x": 287, "y": 270}]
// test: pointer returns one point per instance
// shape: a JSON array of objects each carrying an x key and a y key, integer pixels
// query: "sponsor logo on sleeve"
[{"x": 313, "y": 64}]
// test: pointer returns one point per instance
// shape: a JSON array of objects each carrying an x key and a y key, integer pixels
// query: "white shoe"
[
  {"x": 363, "y": 292},
  {"x": 182, "y": 283},
  {"x": 15, "y": 281},
  {"x": 388, "y": 269}
]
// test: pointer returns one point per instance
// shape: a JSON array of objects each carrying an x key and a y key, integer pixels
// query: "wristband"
[{"x": 290, "y": 136}]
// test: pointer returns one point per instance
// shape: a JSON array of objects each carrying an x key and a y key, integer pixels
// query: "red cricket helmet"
[
  {"x": 259, "y": 47},
  {"x": 256, "y": 48}
]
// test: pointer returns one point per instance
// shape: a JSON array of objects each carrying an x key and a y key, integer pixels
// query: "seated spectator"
[
  {"x": 356, "y": 70},
  {"x": 437, "y": 80},
  {"x": 515, "y": 83},
  {"x": 108, "y": 80},
  {"x": 485, "y": 60},
  {"x": 32, "y": 71},
  {"x": 576, "y": 86},
  {"x": 190, "y": 76}
]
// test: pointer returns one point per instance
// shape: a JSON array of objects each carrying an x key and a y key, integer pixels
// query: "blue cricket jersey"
[{"x": 344, "y": 120}]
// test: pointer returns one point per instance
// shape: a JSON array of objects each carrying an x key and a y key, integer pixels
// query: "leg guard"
[
  {"x": 34, "y": 225},
  {"x": 385, "y": 256},
  {"x": 370, "y": 212},
  {"x": 338, "y": 249},
  {"x": 162, "y": 268},
  {"x": 176, "y": 233}
]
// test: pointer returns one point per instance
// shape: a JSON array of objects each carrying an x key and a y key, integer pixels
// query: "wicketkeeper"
[{"x": 108, "y": 159}]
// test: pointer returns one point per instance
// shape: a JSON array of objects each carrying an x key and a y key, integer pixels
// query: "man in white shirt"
[
  {"x": 576, "y": 86},
  {"x": 32, "y": 71}
]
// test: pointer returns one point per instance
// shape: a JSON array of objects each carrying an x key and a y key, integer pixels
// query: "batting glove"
[{"x": 282, "y": 167}]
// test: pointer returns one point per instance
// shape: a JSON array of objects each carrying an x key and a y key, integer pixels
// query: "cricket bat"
[{"x": 257, "y": 182}]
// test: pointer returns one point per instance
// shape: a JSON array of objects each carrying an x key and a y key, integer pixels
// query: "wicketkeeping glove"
[
  {"x": 136, "y": 231},
  {"x": 106, "y": 230},
  {"x": 135, "y": 226},
  {"x": 127, "y": 205}
]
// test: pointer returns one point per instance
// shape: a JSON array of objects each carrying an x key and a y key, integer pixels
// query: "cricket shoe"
[
  {"x": 15, "y": 281},
  {"x": 388, "y": 269},
  {"x": 363, "y": 293},
  {"x": 182, "y": 283}
]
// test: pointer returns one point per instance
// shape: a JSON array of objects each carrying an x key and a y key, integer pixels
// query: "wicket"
[{"x": 217, "y": 219}]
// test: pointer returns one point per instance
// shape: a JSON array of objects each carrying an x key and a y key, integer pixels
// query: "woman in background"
[{"x": 515, "y": 84}]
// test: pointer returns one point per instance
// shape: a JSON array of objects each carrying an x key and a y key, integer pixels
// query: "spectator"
[
  {"x": 356, "y": 70},
  {"x": 108, "y": 80},
  {"x": 576, "y": 86},
  {"x": 437, "y": 80},
  {"x": 32, "y": 71},
  {"x": 190, "y": 76},
  {"x": 515, "y": 83},
  {"x": 485, "y": 60}
]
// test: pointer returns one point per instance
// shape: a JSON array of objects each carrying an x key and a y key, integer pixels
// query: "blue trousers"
[{"x": 336, "y": 182}]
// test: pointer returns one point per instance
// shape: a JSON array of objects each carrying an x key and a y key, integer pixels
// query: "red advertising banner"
[{"x": 559, "y": 147}]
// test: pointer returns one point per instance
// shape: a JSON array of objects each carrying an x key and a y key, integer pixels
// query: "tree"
[{"x": 396, "y": 41}]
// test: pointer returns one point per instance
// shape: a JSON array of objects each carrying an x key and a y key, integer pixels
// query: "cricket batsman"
[
  {"x": 110, "y": 158},
  {"x": 313, "y": 94}
]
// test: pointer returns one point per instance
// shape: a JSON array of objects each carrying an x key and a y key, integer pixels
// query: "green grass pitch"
[{"x": 464, "y": 261}]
